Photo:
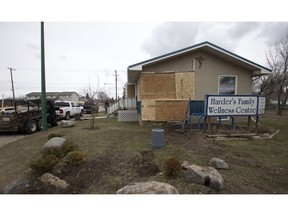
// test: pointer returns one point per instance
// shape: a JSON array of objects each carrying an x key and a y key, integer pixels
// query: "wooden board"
[
  {"x": 170, "y": 110},
  {"x": 131, "y": 90},
  {"x": 185, "y": 85},
  {"x": 148, "y": 109},
  {"x": 157, "y": 85}
]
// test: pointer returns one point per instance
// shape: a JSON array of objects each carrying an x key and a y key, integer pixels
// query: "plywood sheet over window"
[
  {"x": 157, "y": 85},
  {"x": 148, "y": 109},
  {"x": 170, "y": 110},
  {"x": 131, "y": 90},
  {"x": 185, "y": 85}
]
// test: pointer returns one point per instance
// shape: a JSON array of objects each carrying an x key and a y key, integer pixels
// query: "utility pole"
[
  {"x": 116, "y": 83},
  {"x": 43, "y": 82},
  {"x": 11, "y": 69}
]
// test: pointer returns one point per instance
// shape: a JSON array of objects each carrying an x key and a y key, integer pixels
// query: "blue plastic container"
[{"x": 157, "y": 140}]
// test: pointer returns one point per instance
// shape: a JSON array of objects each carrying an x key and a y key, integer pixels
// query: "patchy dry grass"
[{"x": 256, "y": 166}]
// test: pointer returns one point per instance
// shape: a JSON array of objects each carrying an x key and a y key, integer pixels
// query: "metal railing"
[{"x": 126, "y": 103}]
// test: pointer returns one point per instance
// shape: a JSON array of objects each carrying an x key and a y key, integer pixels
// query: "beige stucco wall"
[{"x": 206, "y": 76}]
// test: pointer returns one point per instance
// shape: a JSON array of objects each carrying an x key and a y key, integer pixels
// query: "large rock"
[
  {"x": 48, "y": 178},
  {"x": 218, "y": 163},
  {"x": 151, "y": 187},
  {"x": 54, "y": 142},
  {"x": 67, "y": 124},
  {"x": 207, "y": 176},
  {"x": 17, "y": 186}
]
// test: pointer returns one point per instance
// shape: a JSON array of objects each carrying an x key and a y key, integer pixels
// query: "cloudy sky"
[{"x": 83, "y": 53}]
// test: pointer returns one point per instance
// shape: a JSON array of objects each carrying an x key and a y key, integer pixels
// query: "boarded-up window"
[
  {"x": 185, "y": 85},
  {"x": 130, "y": 91},
  {"x": 148, "y": 109},
  {"x": 170, "y": 110},
  {"x": 157, "y": 85}
]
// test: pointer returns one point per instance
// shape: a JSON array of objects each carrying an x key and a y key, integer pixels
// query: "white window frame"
[{"x": 236, "y": 82}]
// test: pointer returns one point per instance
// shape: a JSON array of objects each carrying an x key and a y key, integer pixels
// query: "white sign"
[{"x": 234, "y": 105}]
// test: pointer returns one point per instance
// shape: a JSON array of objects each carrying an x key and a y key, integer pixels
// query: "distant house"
[
  {"x": 69, "y": 96},
  {"x": 163, "y": 85}
]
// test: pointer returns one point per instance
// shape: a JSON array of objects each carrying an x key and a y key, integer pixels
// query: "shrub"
[
  {"x": 62, "y": 151},
  {"x": 172, "y": 167},
  {"x": 51, "y": 135},
  {"x": 68, "y": 146},
  {"x": 44, "y": 164},
  {"x": 74, "y": 157}
]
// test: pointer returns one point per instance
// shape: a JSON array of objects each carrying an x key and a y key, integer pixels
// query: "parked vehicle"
[
  {"x": 90, "y": 107},
  {"x": 26, "y": 117},
  {"x": 66, "y": 109}
]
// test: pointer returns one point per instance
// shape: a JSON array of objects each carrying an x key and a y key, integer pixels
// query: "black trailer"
[{"x": 25, "y": 117}]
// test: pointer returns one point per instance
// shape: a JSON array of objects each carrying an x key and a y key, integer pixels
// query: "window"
[{"x": 227, "y": 84}]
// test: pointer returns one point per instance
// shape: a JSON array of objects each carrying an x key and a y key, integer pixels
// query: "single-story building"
[
  {"x": 163, "y": 85},
  {"x": 67, "y": 96}
]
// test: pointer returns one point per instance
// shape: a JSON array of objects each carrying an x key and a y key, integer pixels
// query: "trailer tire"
[
  {"x": 31, "y": 127},
  {"x": 40, "y": 124}
]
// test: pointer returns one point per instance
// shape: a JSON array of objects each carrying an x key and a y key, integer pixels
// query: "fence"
[{"x": 123, "y": 104}]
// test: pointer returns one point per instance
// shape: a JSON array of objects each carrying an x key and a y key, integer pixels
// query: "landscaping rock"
[
  {"x": 67, "y": 124},
  {"x": 151, "y": 187},
  {"x": 207, "y": 176},
  {"x": 16, "y": 187},
  {"x": 184, "y": 165},
  {"x": 54, "y": 142},
  {"x": 218, "y": 163},
  {"x": 49, "y": 178}
]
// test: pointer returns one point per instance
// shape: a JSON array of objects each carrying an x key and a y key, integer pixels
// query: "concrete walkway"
[{"x": 6, "y": 138}]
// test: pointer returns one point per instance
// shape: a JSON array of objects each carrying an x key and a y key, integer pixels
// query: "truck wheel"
[
  {"x": 67, "y": 116},
  {"x": 31, "y": 127}
]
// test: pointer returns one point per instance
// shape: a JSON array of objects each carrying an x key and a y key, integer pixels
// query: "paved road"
[{"x": 6, "y": 138}]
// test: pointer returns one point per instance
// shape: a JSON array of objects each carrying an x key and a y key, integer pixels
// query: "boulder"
[
  {"x": 67, "y": 124},
  {"x": 218, "y": 163},
  {"x": 184, "y": 165},
  {"x": 49, "y": 178},
  {"x": 207, "y": 176},
  {"x": 17, "y": 186},
  {"x": 54, "y": 142},
  {"x": 150, "y": 187}
]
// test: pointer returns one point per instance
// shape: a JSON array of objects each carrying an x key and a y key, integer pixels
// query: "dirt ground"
[{"x": 115, "y": 168}]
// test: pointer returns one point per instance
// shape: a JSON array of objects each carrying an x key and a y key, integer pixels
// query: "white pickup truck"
[{"x": 66, "y": 109}]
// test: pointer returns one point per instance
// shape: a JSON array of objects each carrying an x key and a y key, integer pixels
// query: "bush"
[
  {"x": 44, "y": 164},
  {"x": 74, "y": 157},
  {"x": 51, "y": 135},
  {"x": 68, "y": 146},
  {"x": 62, "y": 151},
  {"x": 51, "y": 156},
  {"x": 172, "y": 167}
]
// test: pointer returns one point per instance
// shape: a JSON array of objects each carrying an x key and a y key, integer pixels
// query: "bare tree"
[
  {"x": 91, "y": 92},
  {"x": 102, "y": 95},
  {"x": 277, "y": 59}
]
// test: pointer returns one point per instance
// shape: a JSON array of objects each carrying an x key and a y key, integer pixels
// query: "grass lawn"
[{"x": 255, "y": 166}]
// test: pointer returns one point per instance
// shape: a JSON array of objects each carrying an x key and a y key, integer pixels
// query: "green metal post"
[{"x": 43, "y": 85}]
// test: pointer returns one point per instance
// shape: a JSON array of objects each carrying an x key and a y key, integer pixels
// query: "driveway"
[{"x": 6, "y": 138}]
